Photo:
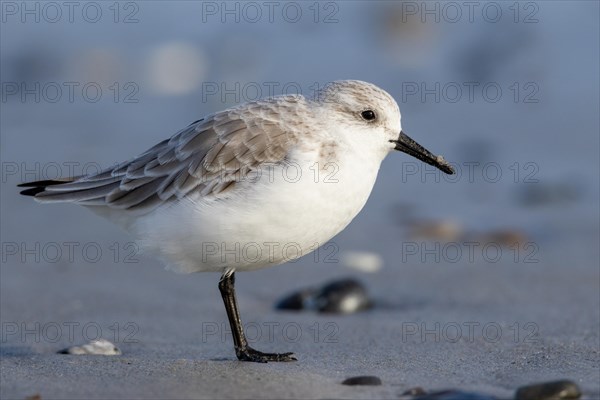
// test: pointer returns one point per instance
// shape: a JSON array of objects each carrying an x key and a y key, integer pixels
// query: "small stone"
[
  {"x": 416, "y": 391},
  {"x": 96, "y": 347},
  {"x": 342, "y": 297},
  {"x": 455, "y": 395},
  {"x": 554, "y": 390},
  {"x": 363, "y": 381}
]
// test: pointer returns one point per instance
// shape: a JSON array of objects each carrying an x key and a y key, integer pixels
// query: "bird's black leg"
[{"x": 242, "y": 350}]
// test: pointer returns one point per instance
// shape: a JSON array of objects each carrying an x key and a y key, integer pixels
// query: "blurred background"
[{"x": 506, "y": 91}]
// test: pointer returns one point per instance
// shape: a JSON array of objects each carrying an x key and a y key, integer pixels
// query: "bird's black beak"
[{"x": 409, "y": 146}]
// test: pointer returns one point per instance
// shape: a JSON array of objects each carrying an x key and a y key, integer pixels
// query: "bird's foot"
[{"x": 249, "y": 354}]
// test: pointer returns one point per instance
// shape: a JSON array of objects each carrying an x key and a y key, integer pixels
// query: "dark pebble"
[
  {"x": 342, "y": 297},
  {"x": 455, "y": 395},
  {"x": 362, "y": 380},
  {"x": 555, "y": 390}
]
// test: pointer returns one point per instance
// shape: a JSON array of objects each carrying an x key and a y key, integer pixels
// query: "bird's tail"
[
  {"x": 85, "y": 190},
  {"x": 36, "y": 187}
]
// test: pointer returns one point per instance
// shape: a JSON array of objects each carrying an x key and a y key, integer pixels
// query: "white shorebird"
[{"x": 252, "y": 186}]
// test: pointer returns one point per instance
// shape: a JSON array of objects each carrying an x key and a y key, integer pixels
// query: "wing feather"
[{"x": 204, "y": 157}]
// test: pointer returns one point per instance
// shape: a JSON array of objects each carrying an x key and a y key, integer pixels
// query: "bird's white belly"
[{"x": 280, "y": 217}]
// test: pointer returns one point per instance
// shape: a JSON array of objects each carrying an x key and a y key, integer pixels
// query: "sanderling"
[{"x": 251, "y": 186}]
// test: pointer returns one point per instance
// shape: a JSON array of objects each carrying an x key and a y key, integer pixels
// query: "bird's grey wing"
[{"x": 208, "y": 157}]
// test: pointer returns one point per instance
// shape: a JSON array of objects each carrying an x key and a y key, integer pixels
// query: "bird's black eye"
[{"x": 368, "y": 115}]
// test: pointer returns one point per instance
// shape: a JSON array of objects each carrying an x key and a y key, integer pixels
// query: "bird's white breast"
[{"x": 278, "y": 214}]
